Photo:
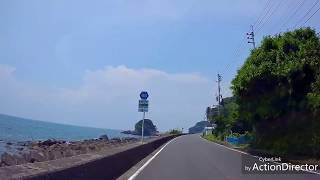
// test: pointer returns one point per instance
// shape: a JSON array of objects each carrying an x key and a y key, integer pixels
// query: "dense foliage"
[
  {"x": 175, "y": 131},
  {"x": 277, "y": 91},
  {"x": 227, "y": 121}
]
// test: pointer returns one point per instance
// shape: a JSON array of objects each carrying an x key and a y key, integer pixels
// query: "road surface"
[{"x": 192, "y": 157}]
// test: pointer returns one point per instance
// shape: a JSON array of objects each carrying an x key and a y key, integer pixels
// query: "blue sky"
[{"x": 85, "y": 62}]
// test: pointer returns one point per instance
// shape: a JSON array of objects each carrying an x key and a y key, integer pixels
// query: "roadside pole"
[
  {"x": 219, "y": 98},
  {"x": 142, "y": 133},
  {"x": 143, "y": 107}
]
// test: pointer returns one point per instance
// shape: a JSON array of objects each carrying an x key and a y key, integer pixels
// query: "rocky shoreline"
[{"x": 39, "y": 151}]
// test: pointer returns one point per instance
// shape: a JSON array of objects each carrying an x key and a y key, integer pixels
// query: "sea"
[{"x": 16, "y": 129}]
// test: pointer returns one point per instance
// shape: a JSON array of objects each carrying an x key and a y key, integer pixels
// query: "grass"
[
  {"x": 175, "y": 131},
  {"x": 214, "y": 138}
]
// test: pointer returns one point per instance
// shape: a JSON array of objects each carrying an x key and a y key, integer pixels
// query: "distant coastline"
[
  {"x": 14, "y": 128},
  {"x": 39, "y": 151},
  {"x": 16, "y": 131}
]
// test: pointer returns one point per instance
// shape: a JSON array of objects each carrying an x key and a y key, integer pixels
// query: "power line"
[
  {"x": 293, "y": 14},
  {"x": 260, "y": 19},
  {"x": 268, "y": 11},
  {"x": 265, "y": 15},
  {"x": 236, "y": 54},
  {"x": 269, "y": 17},
  {"x": 264, "y": 9},
  {"x": 250, "y": 36},
  {"x": 306, "y": 14},
  {"x": 311, "y": 16},
  {"x": 260, "y": 22},
  {"x": 265, "y": 18}
]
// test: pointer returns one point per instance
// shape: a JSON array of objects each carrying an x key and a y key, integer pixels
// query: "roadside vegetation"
[
  {"x": 214, "y": 138},
  {"x": 175, "y": 131},
  {"x": 276, "y": 96}
]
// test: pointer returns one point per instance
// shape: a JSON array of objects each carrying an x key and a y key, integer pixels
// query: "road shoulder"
[{"x": 140, "y": 164}]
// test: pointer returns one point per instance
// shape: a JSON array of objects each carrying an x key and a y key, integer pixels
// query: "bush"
[
  {"x": 175, "y": 131},
  {"x": 278, "y": 93}
]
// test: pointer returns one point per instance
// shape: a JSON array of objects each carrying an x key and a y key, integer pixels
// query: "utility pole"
[
  {"x": 250, "y": 37},
  {"x": 219, "y": 97}
]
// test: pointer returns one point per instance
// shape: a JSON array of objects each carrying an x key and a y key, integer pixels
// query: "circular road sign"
[{"x": 144, "y": 95}]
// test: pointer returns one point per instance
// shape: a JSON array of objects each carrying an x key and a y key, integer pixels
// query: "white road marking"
[
  {"x": 313, "y": 172},
  {"x": 145, "y": 165},
  {"x": 228, "y": 147}
]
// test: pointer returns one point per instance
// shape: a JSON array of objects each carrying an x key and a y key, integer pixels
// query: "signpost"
[{"x": 143, "y": 107}]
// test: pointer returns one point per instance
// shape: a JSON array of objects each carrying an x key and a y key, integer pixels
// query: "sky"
[{"x": 85, "y": 62}]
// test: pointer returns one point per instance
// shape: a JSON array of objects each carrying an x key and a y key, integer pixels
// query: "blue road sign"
[{"x": 144, "y": 95}]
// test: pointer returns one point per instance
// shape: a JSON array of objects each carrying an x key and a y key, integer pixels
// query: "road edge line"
[
  {"x": 242, "y": 152},
  {"x": 149, "y": 160},
  {"x": 235, "y": 150}
]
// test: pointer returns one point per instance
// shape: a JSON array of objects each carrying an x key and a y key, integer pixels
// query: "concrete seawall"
[{"x": 100, "y": 165}]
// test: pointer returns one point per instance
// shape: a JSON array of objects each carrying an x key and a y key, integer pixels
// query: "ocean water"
[{"x": 15, "y": 129}]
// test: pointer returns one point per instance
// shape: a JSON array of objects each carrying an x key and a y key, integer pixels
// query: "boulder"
[
  {"x": 68, "y": 153},
  {"x": 35, "y": 156},
  {"x": 11, "y": 159},
  {"x": 83, "y": 149},
  {"x": 55, "y": 154},
  {"x": 8, "y": 159},
  {"x": 92, "y": 147},
  {"x": 50, "y": 142},
  {"x": 128, "y": 132},
  {"x": 116, "y": 140},
  {"x": 19, "y": 159},
  {"x": 104, "y": 137},
  {"x": 129, "y": 139}
]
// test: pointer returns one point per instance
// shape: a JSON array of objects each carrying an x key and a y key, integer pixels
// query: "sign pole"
[
  {"x": 144, "y": 113},
  {"x": 143, "y": 107}
]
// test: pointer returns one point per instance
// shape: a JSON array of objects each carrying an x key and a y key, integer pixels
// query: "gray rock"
[
  {"x": 92, "y": 147},
  {"x": 19, "y": 159},
  {"x": 104, "y": 137},
  {"x": 35, "y": 156},
  {"x": 7, "y": 159},
  {"x": 83, "y": 149},
  {"x": 68, "y": 153},
  {"x": 50, "y": 142},
  {"x": 55, "y": 154},
  {"x": 19, "y": 148},
  {"x": 115, "y": 140}
]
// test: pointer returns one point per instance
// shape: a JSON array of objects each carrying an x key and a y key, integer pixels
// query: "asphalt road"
[{"x": 191, "y": 157}]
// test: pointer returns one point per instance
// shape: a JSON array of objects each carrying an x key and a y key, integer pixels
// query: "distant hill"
[{"x": 198, "y": 128}]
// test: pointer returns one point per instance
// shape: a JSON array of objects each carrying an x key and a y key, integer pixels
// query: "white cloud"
[{"x": 108, "y": 98}]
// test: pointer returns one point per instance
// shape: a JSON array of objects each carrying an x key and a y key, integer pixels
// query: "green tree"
[{"x": 278, "y": 93}]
